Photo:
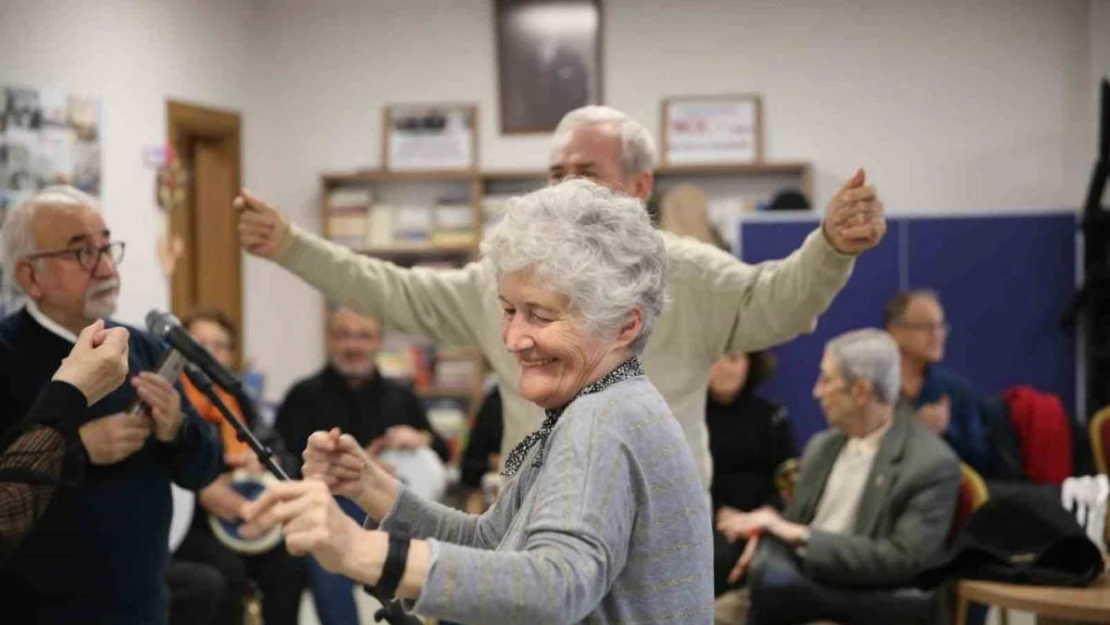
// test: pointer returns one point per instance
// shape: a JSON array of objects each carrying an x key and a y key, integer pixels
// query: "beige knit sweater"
[{"x": 717, "y": 305}]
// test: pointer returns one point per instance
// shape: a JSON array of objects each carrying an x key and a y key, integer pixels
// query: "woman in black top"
[
  {"x": 749, "y": 437},
  {"x": 44, "y": 451}
]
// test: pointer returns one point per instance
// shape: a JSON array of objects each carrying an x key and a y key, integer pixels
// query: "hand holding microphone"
[{"x": 163, "y": 402}]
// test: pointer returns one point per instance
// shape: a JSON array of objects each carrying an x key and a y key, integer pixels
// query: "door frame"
[{"x": 185, "y": 123}]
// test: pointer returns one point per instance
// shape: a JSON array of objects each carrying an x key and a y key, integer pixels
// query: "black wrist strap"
[{"x": 394, "y": 569}]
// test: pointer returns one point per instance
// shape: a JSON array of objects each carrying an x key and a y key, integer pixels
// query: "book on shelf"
[
  {"x": 455, "y": 374},
  {"x": 493, "y": 209},
  {"x": 379, "y": 231},
  {"x": 447, "y": 223},
  {"x": 453, "y": 223},
  {"x": 347, "y": 226},
  {"x": 418, "y": 364},
  {"x": 411, "y": 225},
  {"x": 350, "y": 197},
  {"x": 347, "y": 214}
]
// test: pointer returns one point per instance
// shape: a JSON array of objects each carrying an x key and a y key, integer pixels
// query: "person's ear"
[
  {"x": 862, "y": 391},
  {"x": 640, "y": 185},
  {"x": 633, "y": 325},
  {"x": 27, "y": 278}
]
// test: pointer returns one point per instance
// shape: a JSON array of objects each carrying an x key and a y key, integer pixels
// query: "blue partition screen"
[{"x": 1004, "y": 282}]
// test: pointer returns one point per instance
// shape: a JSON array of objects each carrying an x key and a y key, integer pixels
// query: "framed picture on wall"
[
  {"x": 712, "y": 130},
  {"x": 430, "y": 137},
  {"x": 548, "y": 61}
]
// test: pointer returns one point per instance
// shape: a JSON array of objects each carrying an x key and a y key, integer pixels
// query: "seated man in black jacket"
[
  {"x": 99, "y": 553},
  {"x": 350, "y": 394}
]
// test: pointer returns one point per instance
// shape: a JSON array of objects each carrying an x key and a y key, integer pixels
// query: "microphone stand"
[
  {"x": 204, "y": 383},
  {"x": 392, "y": 611}
]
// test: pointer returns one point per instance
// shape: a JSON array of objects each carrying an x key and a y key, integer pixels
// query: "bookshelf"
[
  {"x": 415, "y": 219},
  {"x": 436, "y": 218}
]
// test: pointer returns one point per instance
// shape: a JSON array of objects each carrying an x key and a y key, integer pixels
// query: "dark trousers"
[
  {"x": 195, "y": 591},
  {"x": 333, "y": 594},
  {"x": 279, "y": 576},
  {"x": 781, "y": 594}
]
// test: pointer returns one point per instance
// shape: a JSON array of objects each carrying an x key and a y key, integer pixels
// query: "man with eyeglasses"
[
  {"x": 944, "y": 401},
  {"x": 100, "y": 551}
]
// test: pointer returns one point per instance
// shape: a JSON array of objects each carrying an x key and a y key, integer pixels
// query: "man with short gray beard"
[{"x": 99, "y": 553}]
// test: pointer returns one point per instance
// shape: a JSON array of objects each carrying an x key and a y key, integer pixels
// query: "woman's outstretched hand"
[{"x": 346, "y": 469}]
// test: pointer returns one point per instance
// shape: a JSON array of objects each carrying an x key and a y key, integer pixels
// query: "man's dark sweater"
[
  {"x": 99, "y": 553},
  {"x": 326, "y": 401}
]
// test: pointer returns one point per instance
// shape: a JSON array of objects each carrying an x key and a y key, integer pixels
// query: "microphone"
[
  {"x": 169, "y": 369},
  {"x": 166, "y": 327}
]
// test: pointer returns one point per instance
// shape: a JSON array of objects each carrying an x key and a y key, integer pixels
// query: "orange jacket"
[{"x": 235, "y": 450}]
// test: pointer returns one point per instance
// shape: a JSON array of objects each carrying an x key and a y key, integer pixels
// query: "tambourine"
[
  {"x": 184, "y": 506},
  {"x": 421, "y": 471},
  {"x": 251, "y": 486}
]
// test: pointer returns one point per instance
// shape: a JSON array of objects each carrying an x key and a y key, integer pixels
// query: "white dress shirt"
[
  {"x": 49, "y": 323},
  {"x": 836, "y": 512}
]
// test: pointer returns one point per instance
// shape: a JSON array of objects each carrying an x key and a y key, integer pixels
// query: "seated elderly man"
[
  {"x": 99, "y": 552},
  {"x": 350, "y": 393},
  {"x": 873, "y": 503},
  {"x": 943, "y": 401},
  {"x": 603, "y": 519}
]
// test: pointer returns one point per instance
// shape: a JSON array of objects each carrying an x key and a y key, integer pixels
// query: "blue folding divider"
[{"x": 1004, "y": 282}]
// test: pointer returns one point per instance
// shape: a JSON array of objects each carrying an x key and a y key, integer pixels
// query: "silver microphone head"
[{"x": 159, "y": 323}]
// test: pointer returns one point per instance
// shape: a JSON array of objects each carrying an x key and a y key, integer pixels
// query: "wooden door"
[{"x": 209, "y": 273}]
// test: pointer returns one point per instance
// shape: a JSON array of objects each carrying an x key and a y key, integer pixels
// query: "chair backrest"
[
  {"x": 786, "y": 478},
  {"x": 1045, "y": 431},
  {"x": 1099, "y": 431},
  {"x": 973, "y": 493}
]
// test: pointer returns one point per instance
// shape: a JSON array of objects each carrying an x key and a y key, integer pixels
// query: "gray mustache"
[{"x": 104, "y": 285}]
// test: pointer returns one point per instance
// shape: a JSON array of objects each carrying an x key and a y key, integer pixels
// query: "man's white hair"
[
  {"x": 18, "y": 235},
  {"x": 638, "y": 153},
  {"x": 869, "y": 354},
  {"x": 583, "y": 241}
]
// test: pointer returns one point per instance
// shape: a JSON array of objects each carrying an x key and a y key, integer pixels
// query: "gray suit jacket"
[{"x": 904, "y": 514}]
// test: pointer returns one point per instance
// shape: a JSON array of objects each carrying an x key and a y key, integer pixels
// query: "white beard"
[{"x": 104, "y": 306}]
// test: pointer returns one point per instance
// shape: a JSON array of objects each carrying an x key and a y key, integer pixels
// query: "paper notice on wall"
[
  {"x": 429, "y": 139},
  {"x": 708, "y": 132}
]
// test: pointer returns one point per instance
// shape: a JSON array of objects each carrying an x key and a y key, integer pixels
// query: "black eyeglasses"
[{"x": 87, "y": 257}]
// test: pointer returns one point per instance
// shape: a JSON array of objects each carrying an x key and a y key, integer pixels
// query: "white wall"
[
  {"x": 1100, "y": 46},
  {"x": 133, "y": 55},
  {"x": 951, "y": 106}
]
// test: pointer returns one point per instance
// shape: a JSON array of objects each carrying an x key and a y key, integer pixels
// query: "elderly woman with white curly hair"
[{"x": 603, "y": 519}]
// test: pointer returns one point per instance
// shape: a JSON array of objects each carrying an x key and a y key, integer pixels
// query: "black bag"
[{"x": 1023, "y": 537}]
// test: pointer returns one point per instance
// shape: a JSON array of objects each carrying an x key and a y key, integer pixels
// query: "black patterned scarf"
[{"x": 628, "y": 369}]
